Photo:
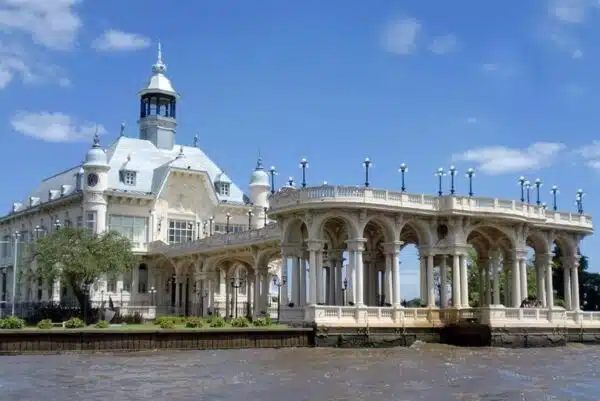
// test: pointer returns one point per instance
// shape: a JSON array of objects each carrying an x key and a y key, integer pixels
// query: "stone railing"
[
  {"x": 424, "y": 203},
  {"x": 515, "y": 317},
  {"x": 217, "y": 241},
  {"x": 352, "y": 316}
]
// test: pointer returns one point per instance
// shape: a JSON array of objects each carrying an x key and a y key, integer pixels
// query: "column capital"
[
  {"x": 544, "y": 258},
  {"x": 570, "y": 262},
  {"x": 392, "y": 247},
  {"x": 519, "y": 253},
  {"x": 314, "y": 244},
  {"x": 288, "y": 250},
  {"x": 461, "y": 250},
  {"x": 357, "y": 244}
]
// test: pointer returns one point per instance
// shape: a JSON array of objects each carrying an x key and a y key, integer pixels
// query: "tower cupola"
[{"x": 158, "y": 107}]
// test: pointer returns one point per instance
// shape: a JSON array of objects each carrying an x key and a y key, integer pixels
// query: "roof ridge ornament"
[
  {"x": 96, "y": 141},
  {"x": 259, "y": 163},
  {"x": 159, "y": 67}
]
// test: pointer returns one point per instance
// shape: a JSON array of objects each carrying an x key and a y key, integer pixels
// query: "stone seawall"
[{"x": 57, "y": 341}]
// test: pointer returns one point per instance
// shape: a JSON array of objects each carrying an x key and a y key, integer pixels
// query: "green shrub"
[
  {"x": 268, "y": 320},
  {"x": 194, "y": 323},
  {"x": 217, "y": 321},
  {"x": 102, "y": 324},
  {"x": 167, "y": 324},
  {"x": 74, "y": 323},
  {"x": 260, "y": 322},
  {"x": 241, "y": 321},
  {"x": 12, "y": 323},
  {"x": 176, "y": 320},
  {"x": 44, "y": 324}
]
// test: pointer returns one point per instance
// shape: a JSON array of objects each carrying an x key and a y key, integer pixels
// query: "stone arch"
[
  {"x": 267, "y": 256},
  {"x": 347, "y": 221},
  {"x": 537, "y": 241},
  {"x": 414, "y": 232},
  {"x": 381, "y": 223},
  {"x": 496, "y": 235},
  {"x": 567, "y": 246},
  {"x": 295, "y": 230}
]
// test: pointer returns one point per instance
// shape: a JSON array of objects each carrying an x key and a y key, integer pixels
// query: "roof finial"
[
  {"x": 96, "y": 143},
  {"x": 122, "y": 133},
  {"x": 159, "y": 67},
  {"x": 196, "y": 138},
  {"x": 259, "y": 162},
  {"x": 159, "y": 59}
]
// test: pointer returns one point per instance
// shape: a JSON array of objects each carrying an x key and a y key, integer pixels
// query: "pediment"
[{"x": 188, "y": 193}]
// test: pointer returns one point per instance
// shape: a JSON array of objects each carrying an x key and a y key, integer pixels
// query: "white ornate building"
[
  {"x": 152, "y": 190},
  {"x": 338, "y": 250}
]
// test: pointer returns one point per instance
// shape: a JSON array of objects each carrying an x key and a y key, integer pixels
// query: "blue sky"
[{"x": 505, "y": 90}]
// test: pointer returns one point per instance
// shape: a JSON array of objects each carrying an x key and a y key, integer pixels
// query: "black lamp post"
[
  {"x": 528, "y": 191},
  {"x": 303, "y": 166},
  {"x": 440, "y": 173},
  {"x": 344, "y": 289},
  {"x": 265, "y": 214},
  {"x": 470, "y": 175},
  {"x": 236, "y": 283},
  {"x": 57, "y": 225},
  {"x": 210, "y": 225},
  {"x": 273, "y": 172},
  {"x": 152, "y": 292},
  {"x": 403, "y": 169},
  {"x": 250, "y": 214},
  {"x": 367, "y": 164},
  {"x": 554, "y": 192},
  {"x": 538, "y": 184},
  {"x": 277, "y": 282},
  {"x": 228, "y": 217},
  {"x": 452, "y": 173},
  {"x": 579, "y": 199},
  {"x": 522, "y": 182}
]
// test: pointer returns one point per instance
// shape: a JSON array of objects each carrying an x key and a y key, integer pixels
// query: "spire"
[
  {"x": 259, "y": 163},
  {"x": 159, "y": 67},
  {"x": 96, "y": 142}
]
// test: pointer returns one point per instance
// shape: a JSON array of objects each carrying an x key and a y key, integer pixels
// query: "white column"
[
  {"x": 295, "y": 285},
  {"x": 549, "y": 290},
  {"x": 443, "y": 282},
  {"x": 464, "y": 282},
  {"x": 567, "y": 285},
  {"x": 284, "y": 282},
  {"x": 523, "y": 270},
  {"x": 430, "y": 283},
  {"x": 256, "y": 294},
  {"x": 496, "y": 277},
  {"x": 516, "y": 285},
  {"x": 313, "y": 252},
  {"x": 456, "y": 281},
  {"x": 539, "y": 277},
  {"x": 352, "y": 268},
  {"x": 303, "y": 281},
  {"x": 488, "y": 283},
  {"x": 228, "y": 297},
  {"x": 387, "y": 279},
  {"x": 575, "y": 302},
  {"x": 358, "y": 247},
  {"x": 396, "y": 296},
  {"x": 423, "y": 277},
  {"x": 320, "y": 279}
]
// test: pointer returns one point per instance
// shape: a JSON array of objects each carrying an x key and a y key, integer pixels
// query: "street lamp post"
[
  {"x": 522, "y": 180},
  {"x": 15, "y": 244},
  {"x": 278, "y": 283},
  {"x": 265, "y": 209},
  {"x": 538, "y": 184},
  {"x": 228, "y": 217},
  {"x": 440, "y": 173},
  {"x": 452, "y": 173},
  {"x": 152, "y": 292},
  {"x": 579, "y": 199},
  {"x": 528, "y": 191},
  {"x": 57, "y": 225},
  {"x": 344, "y": 289},
  {"x": 236, "y": 283},
  {"x": 273, "y": 172},
  {"x": 250, "y": 214},
  {"x": 470, "y": 175},
  {"x": 303, "y": 166},
  {"x": 367, "y": 164},
  {"x": 554, "y": 192},
  {"x": 403, "y": 169}
]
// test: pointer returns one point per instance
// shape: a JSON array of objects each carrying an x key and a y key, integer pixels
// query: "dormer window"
[
  {"x": 222, "y": 188},
  {"x": 127, "y": 177}
]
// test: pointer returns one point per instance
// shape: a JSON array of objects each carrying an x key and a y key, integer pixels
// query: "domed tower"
[
  {"x": 259, "y": 192},
  {"x": 158, "y": 107},
  {"x": 95, "y": 182}
]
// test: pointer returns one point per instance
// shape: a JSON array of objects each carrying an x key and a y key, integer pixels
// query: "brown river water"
[{"x": 421, "y": 372}]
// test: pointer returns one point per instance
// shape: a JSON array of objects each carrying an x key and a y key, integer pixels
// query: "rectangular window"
[
  {"x": 223, "y": 188},
  {"x": 79, "y": 221},
  {"x": 111, "y": 285},
  {"x": 127, "y": 279},
  {"x": 233, "y": 228},
  {"x": 181, "y": 231},
  {"x": 142, "y": 279},
  {"x": 127, "y": 177},
  {"x": 6, "y": 246},
  {"x": 132, "y": 227},
  {"x": 90, "y": 223}
]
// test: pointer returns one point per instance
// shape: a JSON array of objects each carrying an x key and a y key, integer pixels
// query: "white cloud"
[
  {"x": 28, "y": 26},
  {"x": 400, "y": 37},
  {"x": 444, "y": 44},
  {"x": 500, "y": 159},
  {"x": 114, "y": 40},
  {"x": 591, "y": 154},
  {"x": 54, "y": 127},
  {"x": 570, "y": 11},
  {"x": 52, "y": 23},
  {"x": 472, "y": 120}
]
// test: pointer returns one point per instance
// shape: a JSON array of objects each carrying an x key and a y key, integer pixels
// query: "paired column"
[
  {"x": 464, "y": 282},
  {"x": 516, "y": 283},
  {"x": 392, "y": 273},
  {"x": 546, "y": 263},
  {"x": 314, "y": 252},
  {"x": 430, "y": 284},
  {"x": 456, "y": 293},
  {"x": 443, "y": 282},
  {"x": 355, "y": 249},
  {"x": 574, "y": 267},
  {"x": 496, "y": 265}
]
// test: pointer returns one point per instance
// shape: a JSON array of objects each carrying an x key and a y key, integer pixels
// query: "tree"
[{"x": 78, "y": 259}]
